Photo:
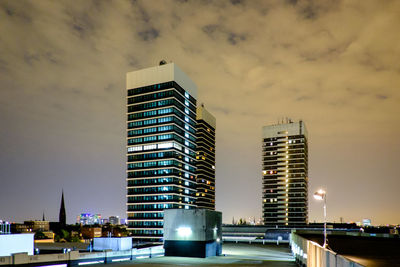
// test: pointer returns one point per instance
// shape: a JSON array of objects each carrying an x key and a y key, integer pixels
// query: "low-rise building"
[{"x": 91, "y": 232}]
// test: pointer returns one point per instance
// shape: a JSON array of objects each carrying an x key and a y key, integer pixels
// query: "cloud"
[{"x": 333, "y": 64}]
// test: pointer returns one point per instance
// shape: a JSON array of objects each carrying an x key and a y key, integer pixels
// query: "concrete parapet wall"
[
  {"x": 73, "y": 258},
  {"x": 5, "y": 260},
  {"x": 310, "y": 254}
]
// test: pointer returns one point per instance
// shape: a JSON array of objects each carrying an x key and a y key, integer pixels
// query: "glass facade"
[
  {"x": 205, "y": 156},
  {"x": 161, "y": 155}
]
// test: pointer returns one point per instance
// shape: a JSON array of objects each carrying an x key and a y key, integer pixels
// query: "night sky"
[{"x": 333, "y": 64}]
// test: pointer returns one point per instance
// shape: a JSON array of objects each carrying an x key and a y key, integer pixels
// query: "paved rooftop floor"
[{"x": 234, "y": 255}]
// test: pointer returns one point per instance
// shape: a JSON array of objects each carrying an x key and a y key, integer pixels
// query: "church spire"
[
  {"x": 62, "y": 217},
  {"x": 43, "y": 219}
]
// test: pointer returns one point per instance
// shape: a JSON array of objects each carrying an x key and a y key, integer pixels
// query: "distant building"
[
  {"x": 62, "y": 217},
  {"x": 366, "y": 222},
  {"x": 5, "y": 227},
  {"x": 285, "y": 174},
  {"x": 37, "y": 225},
  {"x": 113, "y": 220},
  {"x": 205, "y": 156},
  {"x": 89, "y": 219},
  {"x": 91, "y": 232},
  {"x": 161, "y": 147}
]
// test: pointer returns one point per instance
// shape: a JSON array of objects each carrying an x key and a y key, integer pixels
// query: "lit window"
[
  {"x": 165, "y": 145},
  {"x": 149, "y": 147},
  {"x": 135, "y": 148},
  {"x": 186, "y": 95},
  {"x": 177, "y": 146}
]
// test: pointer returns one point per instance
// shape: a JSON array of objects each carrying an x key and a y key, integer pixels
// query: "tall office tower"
[
  {"x": 285, "y": 174},
  {"x": 205, "y": 156},
  {"x": 161, "y": 147}
]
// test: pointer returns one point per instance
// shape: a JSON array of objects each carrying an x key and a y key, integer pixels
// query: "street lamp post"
[{"x": 321, "y": 195}]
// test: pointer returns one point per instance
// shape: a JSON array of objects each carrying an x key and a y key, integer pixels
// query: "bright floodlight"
[
  {"x": 184, "y": 231},
  {"x": 320, "y": 194}
]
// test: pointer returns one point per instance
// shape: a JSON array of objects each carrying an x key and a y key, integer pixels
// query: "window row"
[
  {"x": 170, "y": 119},
  {"x": 163, "y": 137},
  {"x": 163, "y": 163},
  {"x": 163, "y": 103},
  {"x": 155, "y": 207},
  {"x": 191, "y": 119},
  {"x": 167, "y": 145},
  {"x": 148, "y": 224},
  {"x": 158, "y": 155},
  {"x": 145, "y": 232},
  {"x": 174, "y": 171},
  {"x": 159, "y": 189},
  {"x": 155, "y": 146},
  {"x": 175, "y": 198},
  {"x": 164, "y": 180},
  {"x": 188, "y": 122},
  {"x": 161, "y": 86},
  {"x": 148, "y": 215},
  {"x": 160, "y": 129}
]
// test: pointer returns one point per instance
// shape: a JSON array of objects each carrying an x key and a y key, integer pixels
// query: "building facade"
[
  {"x": 89, "y": 219},
  {"x": 205, "y": 159},
  {"x": 285, "y": 174},
  {"x": 161, "y": 147}
]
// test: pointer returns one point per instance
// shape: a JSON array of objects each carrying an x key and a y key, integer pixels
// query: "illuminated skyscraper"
[
  {"x": 285, "y": 174},
  {"x": 161, "y": 147},
  {"x": 205, "y": 156}
]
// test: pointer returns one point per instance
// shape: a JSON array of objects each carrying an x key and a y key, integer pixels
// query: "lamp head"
[{"x": 320, "y": 194}]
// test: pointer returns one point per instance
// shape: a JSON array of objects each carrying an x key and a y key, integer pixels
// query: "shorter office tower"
[
  {"x": 205, "y": 155},
  {"x": 285, "y": 174}
]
